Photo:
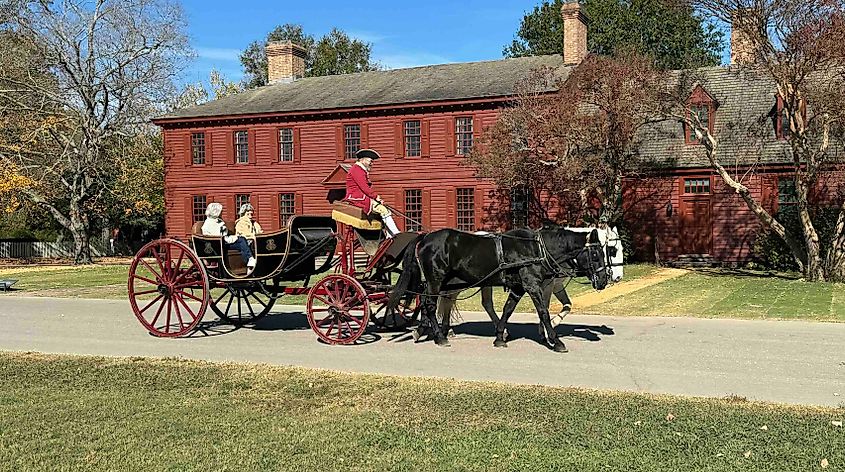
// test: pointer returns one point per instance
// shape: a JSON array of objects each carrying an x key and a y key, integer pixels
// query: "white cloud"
[
  {"x": 367, "y": 36},
  {"x": 219, "y": 54},
  {"x": 401, "y": 61}
]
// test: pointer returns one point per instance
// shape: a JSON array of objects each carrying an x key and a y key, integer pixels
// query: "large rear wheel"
[
  {"x": 168, "y": 288},
  {"x": 338, "y": 309}
]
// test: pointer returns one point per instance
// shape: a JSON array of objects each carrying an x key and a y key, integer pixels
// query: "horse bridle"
[{"x": 590, "y": 247}]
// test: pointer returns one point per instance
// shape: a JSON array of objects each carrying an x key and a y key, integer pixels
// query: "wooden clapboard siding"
[{"x": 317, "y": 152}]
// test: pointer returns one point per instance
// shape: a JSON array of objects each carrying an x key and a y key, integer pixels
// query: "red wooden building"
[{"x": 283, "y": 146}]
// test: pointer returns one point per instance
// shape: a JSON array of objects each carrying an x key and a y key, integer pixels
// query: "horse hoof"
[
  {"x": 505, "y": 335},
  {"x": 415, "y": 333},
  {"x": 565, "y": 310},
  {"x": 443, "y": 343},
  {"x": 451, "y": 333},
  {"x": 498, "y": 343},
  {"x": 560, "y": 348}
]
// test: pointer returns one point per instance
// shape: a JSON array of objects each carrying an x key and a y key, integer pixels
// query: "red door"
[{"x": 696, "y": 231}]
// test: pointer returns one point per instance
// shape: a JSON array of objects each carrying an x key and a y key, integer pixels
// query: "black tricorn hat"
[{"x": 367, "y": 153}]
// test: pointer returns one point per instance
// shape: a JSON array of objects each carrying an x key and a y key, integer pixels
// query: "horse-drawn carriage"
[{"x": 172, "y": 284}]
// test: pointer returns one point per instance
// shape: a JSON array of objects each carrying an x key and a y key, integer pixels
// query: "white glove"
[{"x": 230, "y": 239}]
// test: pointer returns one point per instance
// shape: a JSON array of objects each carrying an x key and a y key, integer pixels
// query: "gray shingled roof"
[
  {"x": 743, "y": 122},
  {"x": 400, "y": 86}
]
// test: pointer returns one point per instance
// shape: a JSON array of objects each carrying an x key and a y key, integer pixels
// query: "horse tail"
[{"x": 411, "y": 277}]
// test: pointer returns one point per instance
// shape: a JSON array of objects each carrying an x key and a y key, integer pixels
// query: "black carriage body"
[{"x": 289, "y": 254}]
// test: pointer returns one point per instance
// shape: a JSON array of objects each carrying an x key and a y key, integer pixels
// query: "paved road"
[{"x": 789, "y": 362}]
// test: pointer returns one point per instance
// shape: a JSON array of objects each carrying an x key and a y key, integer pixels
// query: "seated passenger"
[
  {"x": 359, "y": 190},
  {"x": 246, "y": 225},
  {"x": 214, "y": 226}
]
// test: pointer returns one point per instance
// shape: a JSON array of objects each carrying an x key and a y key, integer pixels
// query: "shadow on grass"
[{"x": 737, "y": 272}]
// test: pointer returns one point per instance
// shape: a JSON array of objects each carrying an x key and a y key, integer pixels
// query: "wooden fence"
[{"x": 47, "y": 250}]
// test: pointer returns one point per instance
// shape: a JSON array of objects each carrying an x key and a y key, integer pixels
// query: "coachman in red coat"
[{"x": 359, "y": 190}]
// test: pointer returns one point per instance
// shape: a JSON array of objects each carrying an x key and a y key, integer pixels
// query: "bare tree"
[
  {"x": 89, "y": 72},
  {"x": 574, "y": 137},
  {"x": 797, "y": 45}
]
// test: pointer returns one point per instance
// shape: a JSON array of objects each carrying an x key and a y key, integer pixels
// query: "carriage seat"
[{"x": 353, "y": 216}]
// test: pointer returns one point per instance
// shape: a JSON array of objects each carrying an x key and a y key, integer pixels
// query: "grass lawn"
[
  {"x": 109, "y": 281},
  {"x": 733, "y": 294},
  {"x": 78, "y": 413}
]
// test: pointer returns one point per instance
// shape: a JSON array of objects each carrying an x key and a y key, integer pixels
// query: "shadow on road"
[{"x": 531, "y": 330}]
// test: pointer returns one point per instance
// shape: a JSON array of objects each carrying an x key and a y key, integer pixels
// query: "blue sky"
[{"x": 403, "y": 34}]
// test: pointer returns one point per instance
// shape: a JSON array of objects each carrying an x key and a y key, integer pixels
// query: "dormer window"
[
  {"x": 700, "y": 106},
  {"x": 782, "y": 129}
]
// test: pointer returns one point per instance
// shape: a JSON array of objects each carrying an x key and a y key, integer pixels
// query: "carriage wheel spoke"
[
  {"x": 152, "y": 282},
  {"x": 158, "y": 313},
  {"x": 145, "y": 292},
  {"x": 331, "y": 326},
  {"x": 258, "y": 299},
  {"x": 225, "y": 292},
  {"x": 142, "y": 310},
  {"x": 239, "y": 305},
  {"x": 185, "y": 285},
  {"x": 167, "y": 326},
  {"x": 157, "y": 257},
  {"x": 229, "y": 305},
  {"x": 178, "y": 313},
  {"x": 181, "y": 256},
  {"x": 186, "y": 294},
  {"x": 148, "y": 266},
  {"x": 246, "y": 300},
  {"x": 188, "y": 309},
  {"x": 318, "y": 297}
]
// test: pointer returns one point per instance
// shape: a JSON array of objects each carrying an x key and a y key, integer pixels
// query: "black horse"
[{"x": 521, "y": 260}]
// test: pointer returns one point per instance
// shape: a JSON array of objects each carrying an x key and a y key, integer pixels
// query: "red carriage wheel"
[
  {"x": 168, "y": 288},
  {"x": 338, "y": 309}
]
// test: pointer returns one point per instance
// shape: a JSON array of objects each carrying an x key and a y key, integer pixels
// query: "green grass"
[
  {"x": 77, "y": 413},
  {"x": 733, "y": 294},
  {"x": 89, "y": 281}
]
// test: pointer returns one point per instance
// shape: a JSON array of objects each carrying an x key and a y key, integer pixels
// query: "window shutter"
[
  {"x": 478, "y": 208},
  {"x": 297, "y": 146},
  {"x": 426, "y": 213},
  {"x": 476, "y": 130},
  {"x": 399, "y": 139},
  {"x": 365, "y": 136},
  {"x": 231, "y": 211},
  {"x": 189, "y": 155},
  {"x": 450, "y": 137},
  {"x": 298, "y": 203},
  {"x": 339, "y": 143},
  {"x": 250, "y": 143},
  {"x": 275, "y": 144},
  {"x": 189, "y": 213},
  {"x": 276, "y": 216},
  {"x": 230, "y": 147},
  {"x": 400, "y": 205},
  {"x": 425, "y": 141},
  {"x": 451, "y": 208}
]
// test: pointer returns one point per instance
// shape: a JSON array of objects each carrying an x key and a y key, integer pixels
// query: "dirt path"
[{"x": 594, "y": 298}]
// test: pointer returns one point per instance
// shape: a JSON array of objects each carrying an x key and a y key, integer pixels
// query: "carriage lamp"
[{"x": 669, "y": 209}]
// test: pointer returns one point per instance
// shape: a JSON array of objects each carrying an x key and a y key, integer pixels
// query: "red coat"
[{"x": 359, "y": 189}]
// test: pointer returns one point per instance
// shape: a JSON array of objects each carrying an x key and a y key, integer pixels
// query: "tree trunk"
[
  {"x": 81, "y": 241},
  {"x": 834, "y": 264}
]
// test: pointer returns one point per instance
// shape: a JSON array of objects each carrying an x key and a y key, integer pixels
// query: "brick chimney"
[
  {"x": 285, "y": 62},
  {"x": 574, "y": 33},
  {"x": 742, "y": 47}
]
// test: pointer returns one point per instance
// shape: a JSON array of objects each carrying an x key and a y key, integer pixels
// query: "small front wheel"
[{"x": 338, "y": 309}]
